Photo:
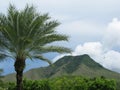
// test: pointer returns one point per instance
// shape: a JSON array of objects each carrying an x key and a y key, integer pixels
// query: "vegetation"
[
  {"x": 28, "y": 34},
  {"x": 65, "y": 83}
]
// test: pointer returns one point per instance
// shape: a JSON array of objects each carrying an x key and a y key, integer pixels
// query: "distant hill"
[{"x": 69, "y": 65}]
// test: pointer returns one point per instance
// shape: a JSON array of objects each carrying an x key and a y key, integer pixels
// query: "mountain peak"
[{"x": 71, "y": 63}]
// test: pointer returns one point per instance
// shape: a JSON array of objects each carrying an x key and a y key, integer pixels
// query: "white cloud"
[
  {"x": 112, "y": 60},
  {"x": 92, "y": 48},
  {"x": 112, "y": 34}
]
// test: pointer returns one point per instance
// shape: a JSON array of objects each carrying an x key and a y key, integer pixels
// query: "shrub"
[
  {"x": 80, "y": 83},
  {"x": 101, "y": 84},
  {"x": 65, "y": 83}
]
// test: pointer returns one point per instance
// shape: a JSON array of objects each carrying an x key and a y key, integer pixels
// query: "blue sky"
[{"x": 93, "y": 27}]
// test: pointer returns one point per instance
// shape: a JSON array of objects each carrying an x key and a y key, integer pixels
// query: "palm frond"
[
  {"x": 36, "y": 24},
  {"x": 58, "y": 49},
  {"x": 47, "y": 39},
  {"x": 42, "y": 58},
  {"x": 49, "y": 27}
]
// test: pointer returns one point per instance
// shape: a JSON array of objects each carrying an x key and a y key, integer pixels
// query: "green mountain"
[{"x": 69, "y": 65}]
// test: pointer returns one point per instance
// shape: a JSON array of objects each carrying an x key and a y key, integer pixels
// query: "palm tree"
[{"x": 28, "y": 34}]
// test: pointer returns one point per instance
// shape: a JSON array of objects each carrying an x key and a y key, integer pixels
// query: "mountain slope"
[{"x": 69, "y": 65}]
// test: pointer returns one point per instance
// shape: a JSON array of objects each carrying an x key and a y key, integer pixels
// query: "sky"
[{"x": 92, "y": 25}]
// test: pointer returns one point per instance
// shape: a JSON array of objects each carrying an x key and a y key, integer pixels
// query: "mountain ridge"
[{"x": 69, "y": 65}]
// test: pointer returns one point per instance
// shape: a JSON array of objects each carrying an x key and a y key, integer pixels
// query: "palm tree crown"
[{"x": 28, "y": 34}]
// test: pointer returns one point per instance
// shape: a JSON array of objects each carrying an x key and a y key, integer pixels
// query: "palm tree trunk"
[{"x": 19, "y": 67}]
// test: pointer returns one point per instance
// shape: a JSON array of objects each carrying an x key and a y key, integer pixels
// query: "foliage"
[
  {"x": 65, "y": 83},
  {"x": 11, "y": 86},
  {"x": 69, "y": 83},
  {"x": 102, "y": 84},
  {"x": 36, "y": 85},
  {"x": 79, "y": 83},
  {"x": 3, "y": 86},
  {"x": 118, "y": 84}
]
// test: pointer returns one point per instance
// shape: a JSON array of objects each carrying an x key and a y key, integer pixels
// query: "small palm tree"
[{"x": 28, "y": 34}]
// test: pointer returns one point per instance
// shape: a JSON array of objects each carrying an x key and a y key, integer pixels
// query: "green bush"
[
  {"x": 61, "y": 84},
  {"x": 11, "y": 86},
  {"x": 102, "y": 84},
  {"x": 32, "y": 85},
  {"x": 40, "y": 85},
  {"x": 64, "y": 83},
  {"x": 3, "y": 86},
  {"x": 80, "y": 83}
]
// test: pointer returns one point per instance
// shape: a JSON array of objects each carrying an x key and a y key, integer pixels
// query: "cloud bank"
[{"x": 112, "y": 35}]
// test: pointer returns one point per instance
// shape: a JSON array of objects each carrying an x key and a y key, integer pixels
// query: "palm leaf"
[
  {"x": 47, "y": 39},
  {"x": 46, "y": 49},
  {"x": 42, "y": 58}
]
